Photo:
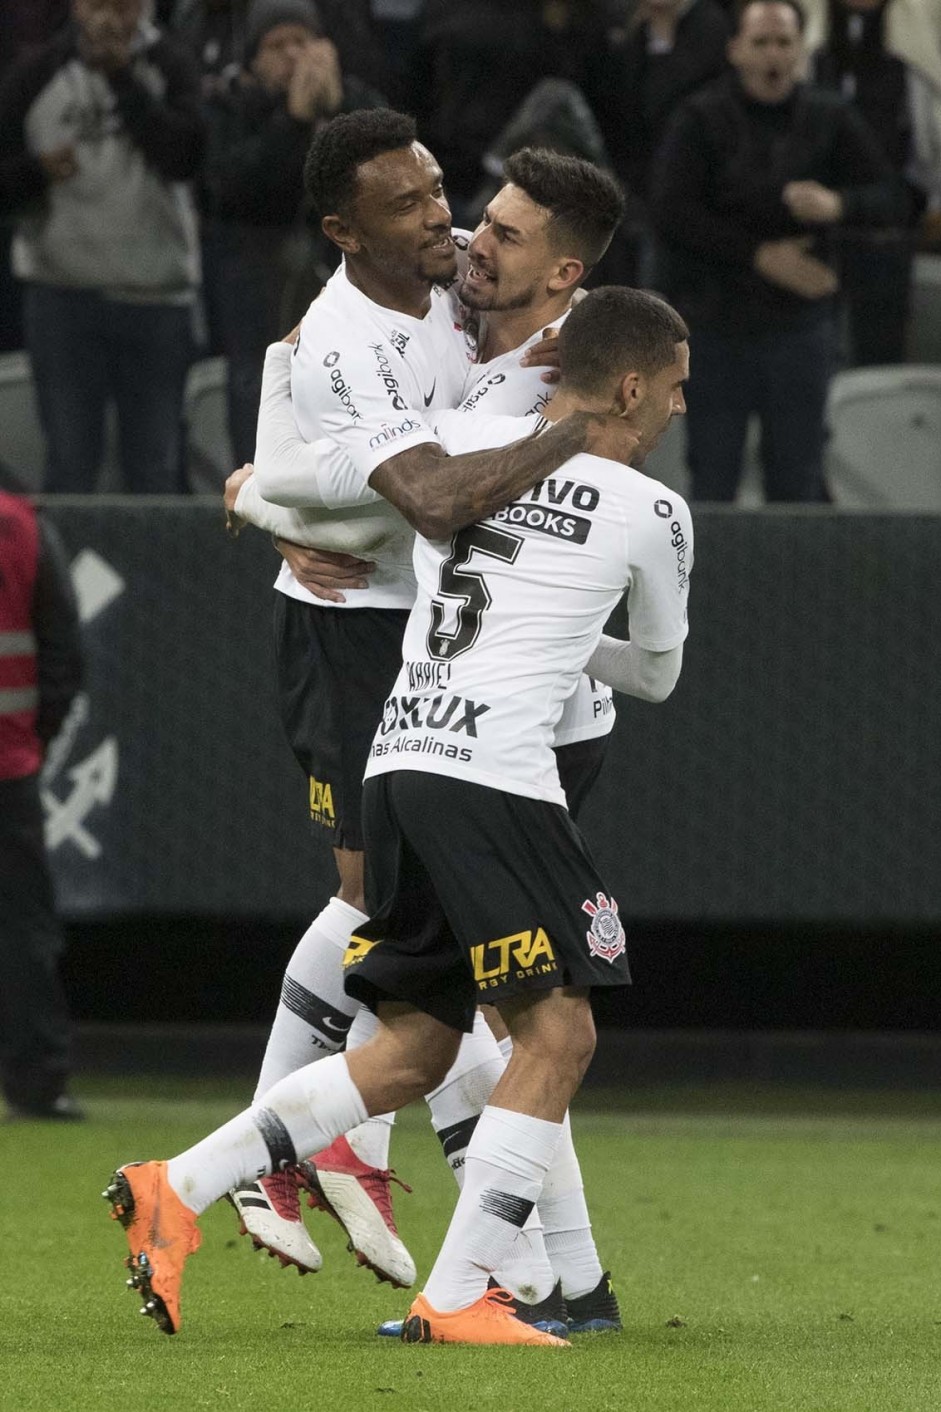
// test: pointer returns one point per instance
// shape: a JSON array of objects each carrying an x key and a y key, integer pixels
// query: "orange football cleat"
[
  {"x": 490, "y": 1320},
  {"x": 161, "y": 1232}
]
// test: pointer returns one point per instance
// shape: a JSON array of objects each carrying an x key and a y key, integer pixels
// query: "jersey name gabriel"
[{"x": 509, "y": 611}]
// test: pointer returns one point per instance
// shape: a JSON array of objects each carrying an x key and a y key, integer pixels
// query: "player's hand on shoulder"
[
  {"x": 323, "y": 572},
  {"x": 544, "y": 354}
]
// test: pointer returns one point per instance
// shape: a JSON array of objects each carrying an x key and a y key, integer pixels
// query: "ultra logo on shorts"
[
  {"x": 321, "y": 804},
  {"x": 513, "y": 958},
  {"x": 357, "y": 949},
  {"x": 606, "y": 938}
]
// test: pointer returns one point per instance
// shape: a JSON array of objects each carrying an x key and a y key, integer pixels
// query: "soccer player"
[
  {"x": 540, "y": 236},
  {"x": 508, "y": 614}
]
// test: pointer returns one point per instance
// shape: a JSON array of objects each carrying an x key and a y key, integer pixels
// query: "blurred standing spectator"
[
  {"x": 671, "y": 49},
  {"x": 99, "y": 131},
  {"x": 258, "y": 249},
  {"x": 397, "y": 26},
  {"x": 214, "y": 33},
  {"x": 479, "y": 59},
  {"x": 884, "y": 56},
  {"x": 27, "y": 25},
  {"x": 24, "y": 25},
  {"x": 360, "y": 43},
  {"x": 754, "y": 171},
  {"x": 40, "y": 674}
]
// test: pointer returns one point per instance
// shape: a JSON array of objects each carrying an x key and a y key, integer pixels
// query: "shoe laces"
[
  {"x": 377, "y": 1185},
  {"x": 497, "y": 1303},
  {"x": 281, "y": 1190}
]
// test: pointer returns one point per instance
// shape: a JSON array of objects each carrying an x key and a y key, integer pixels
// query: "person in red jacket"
[{"x": 40, "y": 673}]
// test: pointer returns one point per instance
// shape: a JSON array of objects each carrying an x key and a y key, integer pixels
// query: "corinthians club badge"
[{"x": 606, "y": 938}]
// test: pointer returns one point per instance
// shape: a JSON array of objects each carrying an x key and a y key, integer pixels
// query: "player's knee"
[{"x": 423, "y": 1067}]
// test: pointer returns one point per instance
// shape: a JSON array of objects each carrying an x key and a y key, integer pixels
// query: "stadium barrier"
[{"x": 793, "y": 775}]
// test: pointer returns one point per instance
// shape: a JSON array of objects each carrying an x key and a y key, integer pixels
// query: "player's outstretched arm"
[
  {"x": 439, "y": 494},
  {"x": 291, "y": 471},
  {"x": 634, "y": 670}
]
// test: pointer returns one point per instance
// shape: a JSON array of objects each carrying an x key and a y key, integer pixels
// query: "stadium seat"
[
  {"x": 22, "y": 444},
  {"x": 924, "y": 330},
  {"x": 209, "y": 456},
  {"x": 885, "y": 438}
]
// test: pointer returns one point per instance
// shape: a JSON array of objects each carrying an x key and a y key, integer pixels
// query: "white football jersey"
[
  {"x": 502, "y": 388},
  {"x": 509, "y": 611},
  {"x": 589, "y": 711},
  {"x": 363, "y": 382}
]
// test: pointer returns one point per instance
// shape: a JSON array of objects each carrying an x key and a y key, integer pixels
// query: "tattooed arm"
[{"x": 439, "y": 494}]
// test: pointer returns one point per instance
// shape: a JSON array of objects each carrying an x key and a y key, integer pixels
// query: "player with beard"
[
  {"x": 533, "y": 248},
  {"x": 520, "y": 597}
]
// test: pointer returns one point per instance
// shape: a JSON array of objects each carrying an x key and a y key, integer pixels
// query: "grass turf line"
[{"x": 779, "y": 1260}]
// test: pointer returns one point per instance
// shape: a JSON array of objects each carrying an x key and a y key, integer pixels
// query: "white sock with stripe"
[
  {"x": 507, "y": 1159},
  {"x": 302, "y": 1113},
  {"x": 314, "y": 1013}
]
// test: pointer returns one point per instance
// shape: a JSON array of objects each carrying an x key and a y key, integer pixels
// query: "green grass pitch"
[{"x": 770, "y": 1252}]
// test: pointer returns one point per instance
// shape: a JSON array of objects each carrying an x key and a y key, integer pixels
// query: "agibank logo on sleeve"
[
  {"x": 388, "y": 379},
  {"x": 339, "y": 386}
]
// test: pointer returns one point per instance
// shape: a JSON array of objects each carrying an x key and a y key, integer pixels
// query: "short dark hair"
[
  {"x": 616, "y": 330},
  {"x": 347, "y": 141},
  {"x": 585, "y": 204},
  {"x": 742, "y": 5}
]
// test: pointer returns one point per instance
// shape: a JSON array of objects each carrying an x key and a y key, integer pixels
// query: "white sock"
[
  {"x": 570, "y": 1244},
  {"x": 314, "y": 1013},
  {"x": 370, "y": 1141},
  {"x": 506, "y": 1164},
  {"x": 458, "y": 1101},
  {"x": 562, "y": 1208},
  {"x": 302, "y": 1113},
  {"x": 455, "y": 1107}
]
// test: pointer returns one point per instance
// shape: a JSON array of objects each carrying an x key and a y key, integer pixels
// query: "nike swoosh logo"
[
  {"x": 335, "y": 1027},
  {"x": 431, "y": 393}
]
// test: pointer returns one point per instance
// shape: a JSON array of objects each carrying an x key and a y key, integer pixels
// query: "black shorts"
[
  {"x": 475, "y": 895},
  {"x": 336, "y": 666},
  {"x": 578, "y": 764}
]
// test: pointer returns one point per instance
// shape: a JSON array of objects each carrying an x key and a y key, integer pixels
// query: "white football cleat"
[
  {"x": 359, "y": 1198},
  {"x": 270, "y": 1212}
]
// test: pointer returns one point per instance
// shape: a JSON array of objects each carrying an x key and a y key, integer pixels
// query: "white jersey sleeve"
[
  {"x": 366, "y": 377},
  {"x": 289, "y": 470},
  {"x": 661, "y": 559}
]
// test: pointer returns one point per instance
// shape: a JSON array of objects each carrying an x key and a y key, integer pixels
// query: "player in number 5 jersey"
[{"x": 504, "y": 903}]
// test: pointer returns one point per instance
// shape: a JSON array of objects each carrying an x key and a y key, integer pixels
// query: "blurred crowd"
[{"x": 782, "y": 164}]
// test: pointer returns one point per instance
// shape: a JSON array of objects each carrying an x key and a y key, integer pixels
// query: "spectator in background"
[
  {"x": 755, "y": 170},
  {"x": 214, "y": 33},
  {"x": 260, "y": 254},
  {"x": 478, "y": 61},
  {"x": 99, "y": 131},
  {"x": 671, "y": 49},
  {"x": 40, "y": 673},
  {"x": 24, "y": 25},
  {"x": 884, "y": 56}
]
